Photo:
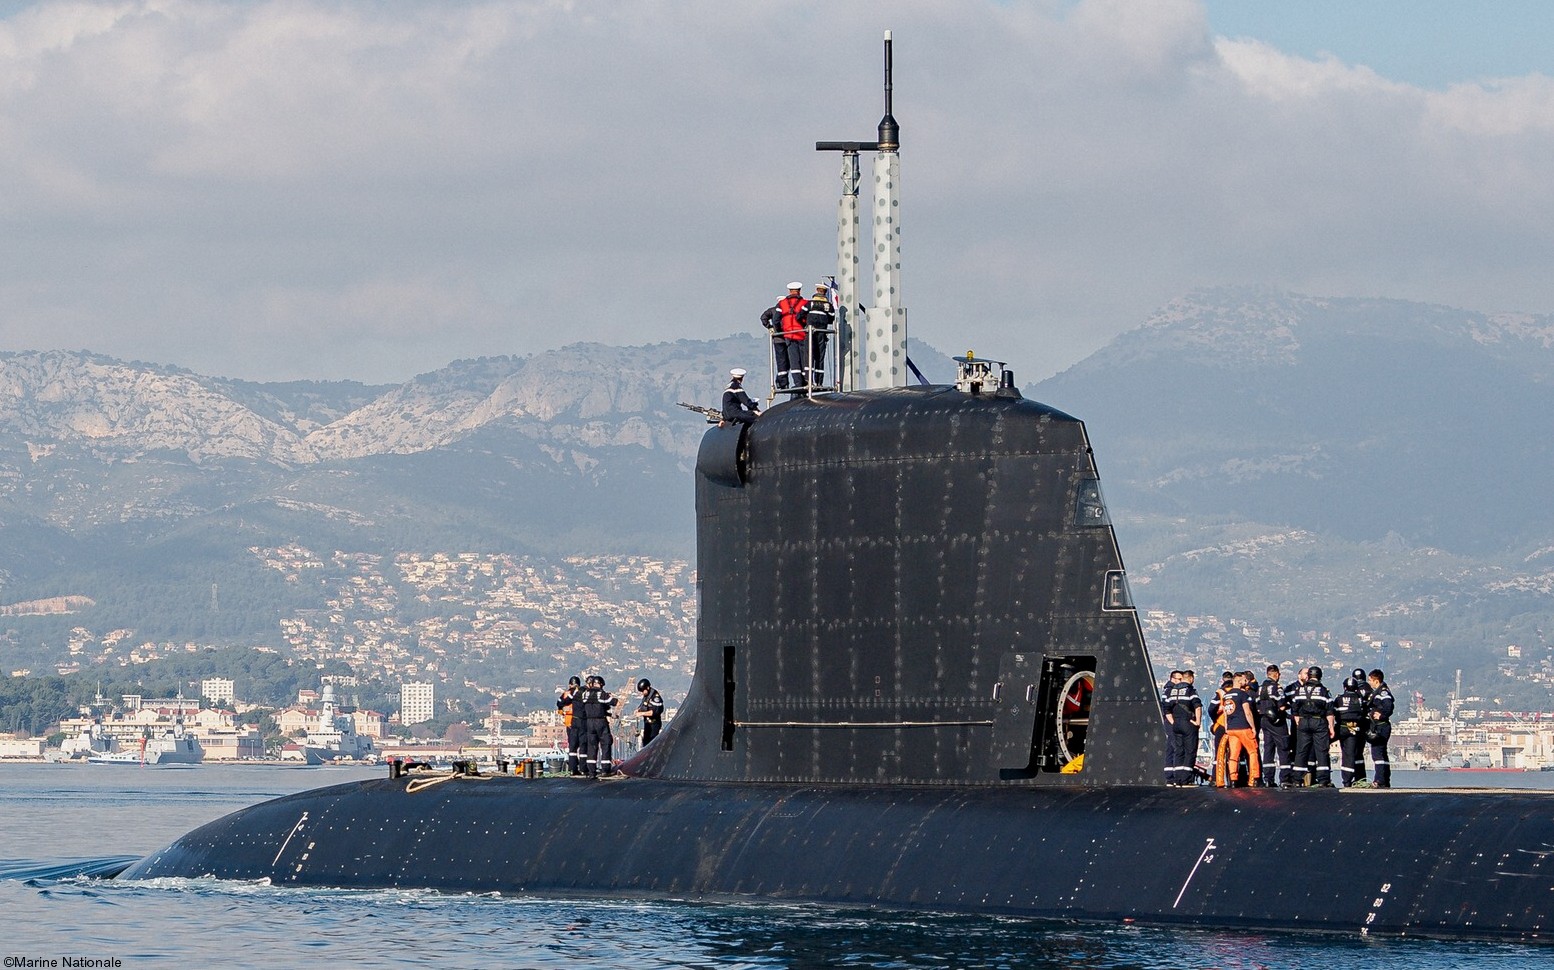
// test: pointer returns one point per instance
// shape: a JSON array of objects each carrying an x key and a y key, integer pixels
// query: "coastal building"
[
  {"x": 416, "y": 703},
  {"x": 22, "y": 749},
  {"x": 548, "y": 734},
  {"x": 370, "y": 724},
  {"x": 294, "y": 720},
  {"x": 231, "y": 744},
  {"x": 211, "y": 719},
  {"x": 217, "y": 690},
  {"x": 1501, "y": 741}
]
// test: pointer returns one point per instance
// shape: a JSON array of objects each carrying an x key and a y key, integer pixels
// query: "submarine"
[{"x": 921, "y": 684}]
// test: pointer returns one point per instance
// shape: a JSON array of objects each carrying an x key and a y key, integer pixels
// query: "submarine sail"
[{"x": 911, "y": 586}]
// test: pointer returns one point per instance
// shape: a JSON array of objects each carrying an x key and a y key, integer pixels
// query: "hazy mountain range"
[
  {"x": 518, "y": 451},
  {"x": 1295, "y": 463},
  {"x": 1349, "y": 465}
]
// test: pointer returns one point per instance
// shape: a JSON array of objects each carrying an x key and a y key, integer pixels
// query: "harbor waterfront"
[{"x": 55, "y": 815}]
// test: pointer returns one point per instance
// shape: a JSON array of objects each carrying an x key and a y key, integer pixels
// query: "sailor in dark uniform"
[
  {"x": 1184, "y": 717},
  {"x": 737, "y": 405},
  {"x": 651, "y": 711},
  {"x": 572, "y": 720},
  {"x": 1349, "y": 713},
  {"x": 596, "y": 704},
  {"x": 1274, "y": 730},
  {"x": 1379, "y": 728},
  {"x": 1165, "y": 718},
  {"x": 1311, "y": 707},
  {"x": 819, "y": 316},
  {"x": 1289, "y": 698}
]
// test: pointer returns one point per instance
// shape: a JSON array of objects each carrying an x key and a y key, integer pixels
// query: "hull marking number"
[
  {"x": 1207, "y": 855},
  {"x": 1376, "y": 904},
  {"x": 289, "y": 835}
]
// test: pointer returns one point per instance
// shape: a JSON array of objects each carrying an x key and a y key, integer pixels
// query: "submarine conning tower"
[{"x": 910, "y": 586}]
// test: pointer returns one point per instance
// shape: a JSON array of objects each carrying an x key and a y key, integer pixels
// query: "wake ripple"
[{"x": 33, "y": 870}]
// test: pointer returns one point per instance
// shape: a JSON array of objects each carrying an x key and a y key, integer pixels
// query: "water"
[{"x": 54, "y": 815}]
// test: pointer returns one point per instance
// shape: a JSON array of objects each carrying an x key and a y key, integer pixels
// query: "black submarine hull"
[
  {"x": 921, "y": 684},
  {"x": 1361, "y": 862}
]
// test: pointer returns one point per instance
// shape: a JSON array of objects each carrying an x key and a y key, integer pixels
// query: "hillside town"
[
  {"x": 536, "y": 617},
  {"x": 418, "y": 631},
  {"x": 483, "y": 615},
  {"x": 493, "y": 623}
]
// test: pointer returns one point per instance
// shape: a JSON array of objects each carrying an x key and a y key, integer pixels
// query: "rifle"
[{"x": 713, "y": 415}]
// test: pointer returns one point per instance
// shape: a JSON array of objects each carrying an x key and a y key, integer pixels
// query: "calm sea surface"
[{"x": 56, "y": 814}]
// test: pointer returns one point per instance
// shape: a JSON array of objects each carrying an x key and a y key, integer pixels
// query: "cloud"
[{"x": 367, "y": 190}]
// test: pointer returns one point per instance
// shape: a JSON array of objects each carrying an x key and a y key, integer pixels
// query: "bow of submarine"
[{"x": 920, "y": 684}]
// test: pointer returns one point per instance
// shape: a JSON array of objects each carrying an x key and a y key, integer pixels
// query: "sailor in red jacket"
[{"x": 788, "y": 351}]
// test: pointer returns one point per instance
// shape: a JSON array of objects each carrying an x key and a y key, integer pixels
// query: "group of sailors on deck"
[
  {"x": 1282, "y": 735},
  {"x": 585, "y": 707},
  {"x": 800, "y": 330}
]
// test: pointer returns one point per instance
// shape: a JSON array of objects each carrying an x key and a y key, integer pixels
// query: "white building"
[
  {"x": 218, "y": 690},
  {"x": 30, "y": 749},
  {"x": 415, "y": 703}
]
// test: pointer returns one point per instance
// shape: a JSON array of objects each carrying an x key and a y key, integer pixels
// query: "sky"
[{"x": 304, "y": 189}]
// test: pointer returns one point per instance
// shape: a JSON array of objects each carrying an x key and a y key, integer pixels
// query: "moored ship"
[
  {"x": 336, "y": 738},
  {"x": 174, "y": 745},
  {"x": 93, "y": 741}
]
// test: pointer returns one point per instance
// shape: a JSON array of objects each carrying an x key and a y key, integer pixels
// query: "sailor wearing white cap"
[
  {"x": 786, "y": 322},
  {"x": 818, "y": 318},
  {"x": 737, "y": 405}
]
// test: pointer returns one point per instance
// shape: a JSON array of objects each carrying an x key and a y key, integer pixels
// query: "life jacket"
[
  {"x": 595, "y": 703},
  {"x": 1221, "y": 708},
  {"x": 564, "y": 705},
  {"x": 793, "y": 310},
  {"x": 1349, "y": 707},
  {"x": 1178, "y": 703},
  {"x": 1270, "y": 703},
  {"x": 1311, "y": 700}
]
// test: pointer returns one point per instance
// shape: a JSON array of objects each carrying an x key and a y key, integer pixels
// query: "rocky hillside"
[
  {"x": 520, "y": 449},
  {"x": 1355, "y": 418},
  {"x": 1310, "y": 465},
  {"x": 588, "y": 395}
]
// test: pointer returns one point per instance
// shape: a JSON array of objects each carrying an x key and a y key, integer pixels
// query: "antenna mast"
[{"x": 874, "y": 357}]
